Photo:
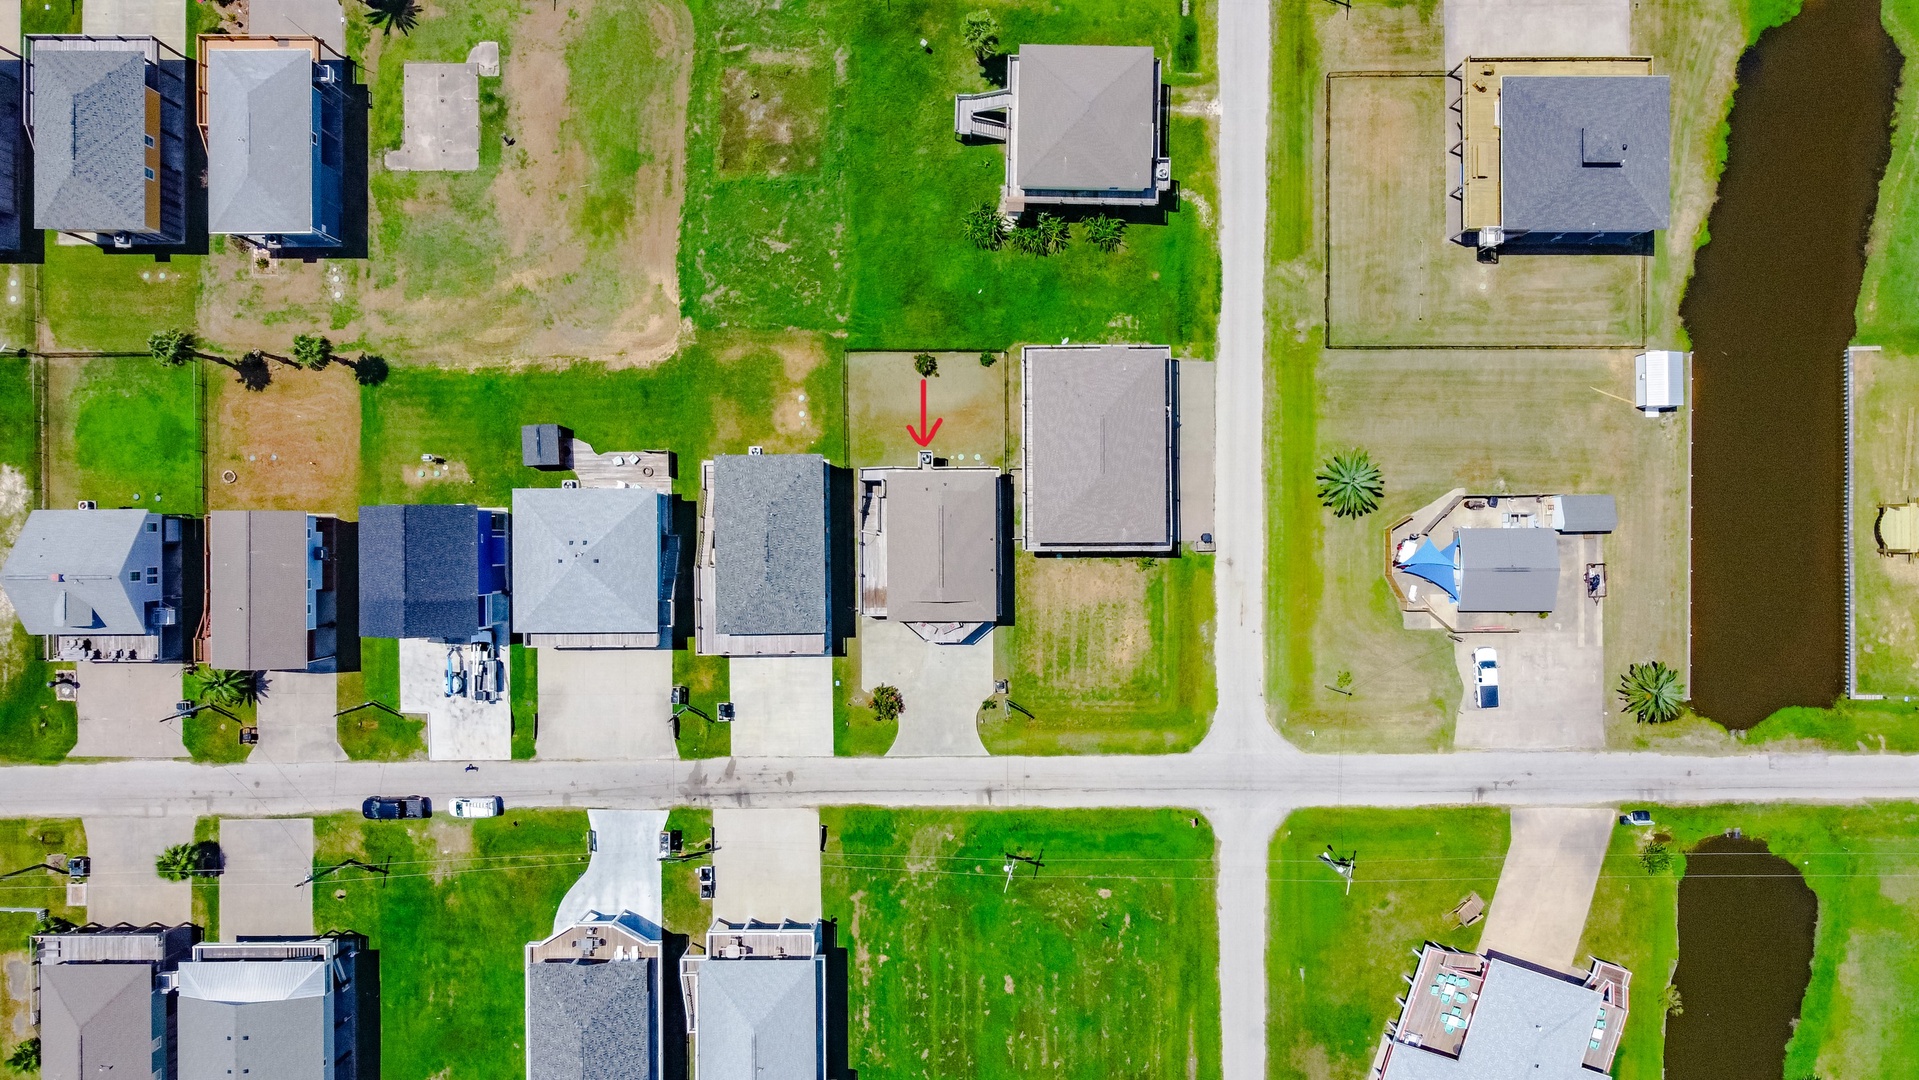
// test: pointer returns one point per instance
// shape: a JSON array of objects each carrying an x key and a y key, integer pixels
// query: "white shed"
[{"x": 1659, "y": 381}]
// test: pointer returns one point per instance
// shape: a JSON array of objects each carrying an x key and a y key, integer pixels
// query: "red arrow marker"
[{"x": 926, "y": 439}]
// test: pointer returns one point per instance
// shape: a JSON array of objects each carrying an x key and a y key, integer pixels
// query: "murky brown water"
[
  {"x": 1746, "y": 921},
  {"x": 1770, "y": 313}
]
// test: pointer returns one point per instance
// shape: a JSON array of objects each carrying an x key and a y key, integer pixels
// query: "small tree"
[
  {"x": 1054, "y": 233},
  {"x": 225, "y": 686},
  {"x": 1350, "y": 485},
  {"x": 179, "y": 862},
  {"x": 1657, "y": 858},
  {"x": 985, "y": 226},
  {"x": 391, "y": 15},
  {"x": 1105, "y": 233},
  {"x": 312, "y": 351},
  {"x": 25, "y": 1057},
  {"x": 980, "y": 31},
  {"x": 927, "y": 365},
  {"x": 1652, "y": 692},
  {"x": 171, "y": 347},
  {"x": 988, "y": 359},
  {"x": 887, "y": 703}
]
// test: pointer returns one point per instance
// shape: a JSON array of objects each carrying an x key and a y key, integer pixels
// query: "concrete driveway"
[
  {"x": 124, "y": 710},
  {"x": 1537, "y": 28},
  {"x": 1546, "y": 887},
  {"x": 457, "y": 728},
  {"x": 299, "y": 18},
  {"x": 624, "y": 874},
  {"x": 1552, "y": 673},
  {"x": 942, "y": 686},
  {"x": 163, "y": 19},
  {"x": 296, "y": 718},
  {"x": 606, "y": 704},
  {"x": 123, "y": 886},
  {"x": 783, "y": 706},
  {"x": 766, "y": 865},
  {"x": 260, "y": 894}
]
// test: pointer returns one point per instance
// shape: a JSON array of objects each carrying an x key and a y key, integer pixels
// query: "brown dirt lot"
[
  {"x": 293, "y": 446},
  {"x": 882, "y": 398}
]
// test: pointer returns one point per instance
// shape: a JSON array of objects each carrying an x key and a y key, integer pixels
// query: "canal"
[{"x": 1770, "y": 313}]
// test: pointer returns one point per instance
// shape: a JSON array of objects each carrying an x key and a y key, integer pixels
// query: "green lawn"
[
  {"x": 1334, "y": 960},
  {"x": 206, "y": 887},
  {"x": 680, "y": 902},
  {"x": 1634, "y": 922},
  {"x": 1103, "y": 965},
  {"x": 25, "y": 843},
  {"x": 213, "y": 734},
  {"x": 857, "y": 729},
  {"x": 377, "y": 734},
  {"x": 49, "y": 16},
  {"x": 525, "y": 684},
  {"x": 125, "y": 432},
  {"x": 33, "y": 726},
  {"x": 1107, "y": 656},
  {"x": 100, "y": 301},
  {"x": 707, "y": 680},
  {"x": 449, "y": 923}
]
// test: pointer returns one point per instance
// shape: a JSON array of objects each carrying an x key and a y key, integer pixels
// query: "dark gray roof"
[
  {"x": 587, "y": 560},
  {"x": 89, "y": 146},
  {"x": 98, "y": 1019},
  {"x": 1585, "y": 154},
  {"x": 761, "y": 1019},
  {"x": 260, "y": 128},
  {"x": 1526, "y": 1026},
  {"x": 67, "y": 572},
  {"x": 543, "y": 445},
  {"x": 257, "y": 602},
  {"x": 591, "y": 1021},
  {"x": 1508, "y": 569},
  {"x": 771, "y": 552},
  {"x": 942, "y": 545},
  {"x": 1587, "y": 514},
  {"x": 419, "y": 571},
  {"x": 259, "y": 1018},
  {"x": 1099, "y": 446},
  {"x": 1085, "y": 118}
]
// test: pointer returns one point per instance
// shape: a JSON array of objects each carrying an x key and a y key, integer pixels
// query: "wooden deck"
[
  {"x": 623, "y": 468},
  {"x": 592, "y": 942},
  {"x": 1440, "y": 1004}
]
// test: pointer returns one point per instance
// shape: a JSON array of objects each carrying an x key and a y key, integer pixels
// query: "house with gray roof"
[
  {"x": 272, "y": 590},
  {"x": 434, "y": 572},
  {"x": 763, "y": 576},
  {"x": 594, "y": 992},
  {"x": 104, "y": 1009},
  {"x": 14, "y": 154},
  {"x": 594, "y": 568},
  {"x": 108, "y": 117},
  {"x": 1099, "y": 468},
  {"x": 280, "y": 1007},
  {"x": 103, "y": 584},
  {"x": 932, "y": 549},
  {"x": 756, "y": 1002},
  {"x": 273, "y": 118},
  {"x": 1084, "y": 125},
  {"x": 1508, "y": 569}
]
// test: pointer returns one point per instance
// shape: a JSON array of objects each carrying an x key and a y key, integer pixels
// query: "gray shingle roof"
[
  {"x": 761, "y": 1019},
  {"x": 260, "y": 128},
  {"x": 587, "y": 561},
  {"x": 1085, "y": 118},
  {"x": 1508, "y": 569},
  {"x": 771, "y": 552},
  {"x": 419, "y": 571},
  {"x": 543, "y": 445},
  {"x": 257, "y": 589},
  {"x": 1526, "y": 1026},
  {"x": 97, "y": 1019},
  {"x": 89, "y": 148},
  {"x": 1587, "y": 514},
  {"x": 942, "y": 545},
  {"x": 68, "y": 571},
  {"x": 590, "y": 1021},
  {"x": 1099, "y": 446},
  {"x": 258, "y": 1018},
  {"x": 1585, "y": 154}
]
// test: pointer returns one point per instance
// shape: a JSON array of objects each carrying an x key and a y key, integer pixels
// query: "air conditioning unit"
[
  {"x": 569, "y": 485},
  {"x": 755, "y": 451},
  {"x": 724, "y": 714},
  {"x": 87, "y": 504},
  {"x": 327, "y": 76}
]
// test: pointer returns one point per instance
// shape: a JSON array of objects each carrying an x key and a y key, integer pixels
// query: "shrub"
[
  {"x": 1350, "y": 484},
  {"x": 1105, "y": 233},
  {"x": 985, "y": 226},
  {"x": 988, "y": 359},
  {"x": 1652, "y": 692},
  {"x": 980, "y": 31},
  {"x": 887, "y": 703},
  {"x": 25, "y": 1057},
  {"x": 1053, "y": 232},
  {"x": 1657, "y": 858},
  {"x": 927, "y": 365}
]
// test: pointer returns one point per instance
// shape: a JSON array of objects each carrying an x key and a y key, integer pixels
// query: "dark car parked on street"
[{"x": 396, "y": 807}]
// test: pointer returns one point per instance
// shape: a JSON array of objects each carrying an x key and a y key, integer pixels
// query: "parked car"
[
  {"x": 1486, "y": 677},
  {"x": 1636, "y": 817},
  {"x": 396, "y": 807},
  {"x": 476, "y": 806}
]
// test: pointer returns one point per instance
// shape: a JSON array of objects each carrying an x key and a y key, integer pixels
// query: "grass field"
[
  {"x": 212, "y": 735},
  {"x": 1334, "y": 960},
  {"x": 1103, "y": 965},
  {"x": 970, "y": 401},
  {"x": 680, "y": 902},
  {"x": 33, "y": 727},
  {"x": 1107, "y": 656},
  {"x": 707, "y": 681},
  {"x": 525, "y": 683},
  {"x": 1633, "y": 922},
  {"x": 124, "y": 432},
  {"x": 95, "y": 300},
  {"x": 378, "y": 734},
  {"x": 206, "y": 887},
  {"x": 28, "y": 843},
  {"x": 449, "y": 923},
  {"x": 292, "y": 446}
]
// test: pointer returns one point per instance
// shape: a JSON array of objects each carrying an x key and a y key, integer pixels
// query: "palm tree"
[
  {"x": 225, "y": 686},
  {"x": 1350, "y": 484},
  {"x": 1652, "y": 692},
  {"x": 312, "y": 351},
  {"x": 179, "y": 862},
  {"x": 171, "y": 347},
  {"x": 980, "y": 31},
  {"x": 985, "y": 226},
  {"x": 1105, "y": 233},
  {"x": 391, "y": 15},
  {"x": 368, "y": 370}
]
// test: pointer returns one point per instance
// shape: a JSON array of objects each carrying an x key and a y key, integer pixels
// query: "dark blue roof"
[{"x": 419, "y": 571}]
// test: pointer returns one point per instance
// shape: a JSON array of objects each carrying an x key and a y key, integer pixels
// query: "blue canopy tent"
[{"x": 1433, "y": 564}]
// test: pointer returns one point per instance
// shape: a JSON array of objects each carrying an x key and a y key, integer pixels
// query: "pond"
[{"x": 1770, "y": 313}]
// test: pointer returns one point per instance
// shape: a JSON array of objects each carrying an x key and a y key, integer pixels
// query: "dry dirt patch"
[
  {"x": 796, "y": 423},
  {"x": 293, "y": 446},
  {"x": 773, "y": 113}
]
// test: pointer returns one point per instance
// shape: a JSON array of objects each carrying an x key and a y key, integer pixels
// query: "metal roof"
[
  {"x": 587, "y": 560},
  {"x": 1525, "y": 1026},
  {"x": 97, "y": 1019},
  {"x": 942, "y": 545},
  {"x": 261, "y": 122},
  {"x": 1586, "y": 514},
  {"x": 1099, "y": 434},
  {"x": 419, "y": 571},
  {"x": 591, "y": 1021},
  {"x": 263, "y": 1018},
  {"x": 1508, "y": 569},
  {"x": 68, "y": 571},
  {"x": 1585, "y": 153},
  {"x": 761, "y": 1019},
  {"x": 1085, "y": 118},
  {"x": 771, "y": 543},
  {"x": 257, "y": 589},
  {"x": 89, "y": 147}
]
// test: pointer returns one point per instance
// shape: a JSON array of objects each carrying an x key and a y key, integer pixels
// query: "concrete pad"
[
  {"x": 163, "y": 19},
  {"x": 1198, "y": 405},
  {"x": 766, "y": 865},
  {"x": 623, "y": 874},
  {"x": 457, "y": 728},
  {"x": 123, "y": 886},
  {"x": 1552, "y": 673},
  {"x": 260, "y": 892},
  {"x": 322, "y": 19},
  {"x": 942, "y": 686},
  {"x": 606, "y": 704},
  {"x": 1537, "y": 28},
  {"x": 10, "y": 26},
  {"x": 124, "y": 711},
  {"x": 296, "y": 718},
  {"x": 1546, "y": 887},
  {"x": 783, "y": 706},
  {"x": 441, "y": 104}
]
